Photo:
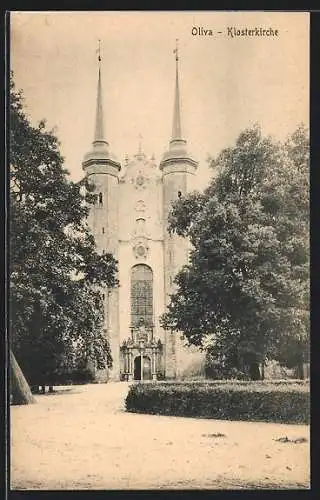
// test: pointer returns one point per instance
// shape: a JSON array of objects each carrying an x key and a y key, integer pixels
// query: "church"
[{"x": 129, "y": 220}]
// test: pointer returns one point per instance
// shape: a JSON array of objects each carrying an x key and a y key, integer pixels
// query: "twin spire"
[{"x": 176, "y": 139}]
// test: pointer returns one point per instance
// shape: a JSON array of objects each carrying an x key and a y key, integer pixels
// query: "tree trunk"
[
  {"x": 254, "y": 371},
  {"x": 300, "y": 371},
  {"x": 20, "y": 390}
]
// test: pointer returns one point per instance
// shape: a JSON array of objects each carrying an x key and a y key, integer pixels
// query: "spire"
[
  {"x": 100, "y": 153},
  {"x": 177, "y": 152},
  {"x": 99, "y": 129},
  {"x": 176, "y": 125}
]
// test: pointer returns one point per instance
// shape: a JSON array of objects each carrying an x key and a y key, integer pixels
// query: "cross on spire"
[
  {"x": 99, "y": 50},
  {"x": 176, "y": 50}
]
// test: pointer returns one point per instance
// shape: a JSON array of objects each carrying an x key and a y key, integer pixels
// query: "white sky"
[{"x": 226, "y": 84}]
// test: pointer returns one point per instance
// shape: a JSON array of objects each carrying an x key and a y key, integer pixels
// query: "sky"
[{"x": 227, "y": 84}]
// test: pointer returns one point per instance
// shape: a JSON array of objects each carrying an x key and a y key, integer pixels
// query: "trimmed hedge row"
[
  {"x": 278, "y": 382},
  {"x": 254, "y": 401}
]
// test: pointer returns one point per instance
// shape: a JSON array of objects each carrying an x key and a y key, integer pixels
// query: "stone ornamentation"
[{"x": 140, "y": 249}]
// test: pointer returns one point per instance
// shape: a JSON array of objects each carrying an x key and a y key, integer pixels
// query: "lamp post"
[{"x": 141, "y": 359}]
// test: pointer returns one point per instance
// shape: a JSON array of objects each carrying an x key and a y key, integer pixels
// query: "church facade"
[{"x": 129, "y": 220}]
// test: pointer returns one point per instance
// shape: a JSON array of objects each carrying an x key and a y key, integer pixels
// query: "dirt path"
[{"x": 82, "y": 438}]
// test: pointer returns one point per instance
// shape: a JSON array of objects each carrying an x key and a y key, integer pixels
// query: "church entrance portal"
[{"x": 146, "y": 375}]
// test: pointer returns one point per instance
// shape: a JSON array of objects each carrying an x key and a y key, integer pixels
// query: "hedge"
[
  {"x": 282, "y": 382},
  {"x": 223, "y": 400}
]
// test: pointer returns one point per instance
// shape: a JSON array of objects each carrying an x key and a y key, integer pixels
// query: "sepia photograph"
[{"x": 158, "y": 166}]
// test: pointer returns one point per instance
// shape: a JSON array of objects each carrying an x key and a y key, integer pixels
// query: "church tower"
[
  {"x": 102, "y": 169},
  {"x": 178, "y": 169}
]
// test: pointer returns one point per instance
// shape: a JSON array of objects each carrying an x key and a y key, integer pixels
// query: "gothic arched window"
[
  {"x": 100, "y": 199},
  {"x": 141, "y": 295}
]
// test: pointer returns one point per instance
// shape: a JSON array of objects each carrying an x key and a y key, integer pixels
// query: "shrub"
[
  {"x": 78, "y": 376},
  {"x": 215, "y": 370},
  {"x": 225, "y": 400}
]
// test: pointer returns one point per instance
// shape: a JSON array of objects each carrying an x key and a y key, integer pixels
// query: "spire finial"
[
  {"x": 176, "y": 50},
  {"x": 99, "y": 51}
]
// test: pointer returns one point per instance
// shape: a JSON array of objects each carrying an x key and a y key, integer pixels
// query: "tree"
[
  {"x": 293, "y": 347},
  {"x": 245, "y": 290},
  {"x": 20, "y": 390},
  {"x": 56, "y": 274}
]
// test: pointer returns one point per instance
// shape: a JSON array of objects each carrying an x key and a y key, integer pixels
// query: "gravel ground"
[{"x": 82, "y": 438}]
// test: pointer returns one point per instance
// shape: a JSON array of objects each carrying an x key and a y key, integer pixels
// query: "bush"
[
  {"x": 215, "y": 370},
  {"x": 78, "y": 376},
  {"x": 285, "y": 402},
  {"x": 233, "y": 382}
]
